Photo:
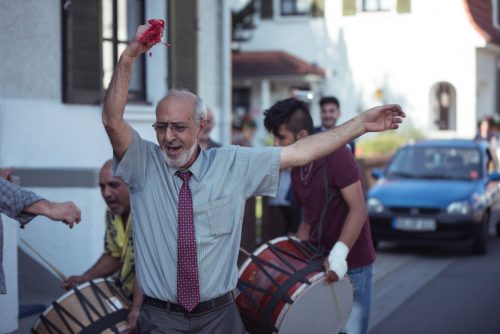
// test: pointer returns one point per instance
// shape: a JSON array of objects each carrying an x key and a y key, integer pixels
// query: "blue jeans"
[{"x": 361, "y": 279}]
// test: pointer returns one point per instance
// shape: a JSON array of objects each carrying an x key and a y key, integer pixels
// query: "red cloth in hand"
[{"x": 154, "y": 33}]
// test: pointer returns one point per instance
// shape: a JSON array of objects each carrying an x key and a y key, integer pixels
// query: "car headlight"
[
  {"x": 459, "y": 208},
  {"x": 374, "y": 205}
]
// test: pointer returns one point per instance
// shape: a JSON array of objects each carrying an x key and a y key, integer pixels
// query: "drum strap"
[
  {"x": 109, "y": 319},
  {"x": 330, "y": 194},
  {"x": 121, "y": 282},
  {"x": 108, "y": 322},
  {"x": 63, "y": 315},
  {"x": 281, "y": 292}
]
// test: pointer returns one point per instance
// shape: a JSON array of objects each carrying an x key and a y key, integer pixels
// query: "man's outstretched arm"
[
  {"x": 23, "y": 205},
  {"x": 321, "y": 144},
  {"x": 119, "y": 132}
]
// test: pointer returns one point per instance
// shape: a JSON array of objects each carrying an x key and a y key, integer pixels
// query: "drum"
[
  {"x": 281, "y": 290},
  {"x": 96, "y": 306}
]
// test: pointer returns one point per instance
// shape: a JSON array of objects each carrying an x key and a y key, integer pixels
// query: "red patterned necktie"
[{"x": 188, "y": 289}]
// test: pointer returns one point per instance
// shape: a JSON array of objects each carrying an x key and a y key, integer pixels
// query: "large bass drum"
[
  {"x": 281, "y": 289},
  {"x": 97, "y": 306}
]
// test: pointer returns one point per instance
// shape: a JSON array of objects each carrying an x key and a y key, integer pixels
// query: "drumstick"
[
  {"x": 336, "y": 301},
  {"x": 247, "y": 253},
  {"x": 57, "y": 271}
]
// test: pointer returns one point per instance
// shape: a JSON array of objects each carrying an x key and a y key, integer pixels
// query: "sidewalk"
[{"x": 38, "y": 288}]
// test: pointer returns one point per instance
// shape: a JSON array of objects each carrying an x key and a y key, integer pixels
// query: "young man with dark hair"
[
  {"x": 334, "y": 217},
  {"x": 330, "y": 114}
]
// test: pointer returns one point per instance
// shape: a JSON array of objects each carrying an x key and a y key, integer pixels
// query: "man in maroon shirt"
[{"x": 334, "y": 216}]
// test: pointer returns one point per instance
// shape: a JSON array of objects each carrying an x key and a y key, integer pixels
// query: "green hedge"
[{"x": 385, "y": 142}]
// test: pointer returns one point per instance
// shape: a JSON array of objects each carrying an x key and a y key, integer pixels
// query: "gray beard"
[{"x": 183, "y": 159}]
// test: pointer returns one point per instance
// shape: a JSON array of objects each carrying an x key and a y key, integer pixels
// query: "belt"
[{"x": 203, "y": 307}]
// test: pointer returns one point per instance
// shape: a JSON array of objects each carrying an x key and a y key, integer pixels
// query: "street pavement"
[
  {"x": 418, "y": 289},
  {"x": 436, "y": 290}
]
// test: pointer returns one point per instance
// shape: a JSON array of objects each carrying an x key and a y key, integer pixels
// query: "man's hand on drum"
[
  {"x": 73, "y": 281},
  {"x": 335, "y": 264},
  {"x": 331, "y": 276},
  {"x": 132, "y": 318}
]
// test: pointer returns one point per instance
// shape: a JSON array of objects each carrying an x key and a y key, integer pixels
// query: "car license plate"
[{"x": 414, "y": 224}]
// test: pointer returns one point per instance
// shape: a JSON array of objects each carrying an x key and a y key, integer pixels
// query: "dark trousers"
[{"x": 225, "y": 319}]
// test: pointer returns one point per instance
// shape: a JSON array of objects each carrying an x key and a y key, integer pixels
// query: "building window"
[
  {"x": 496, "y": 13},
  {"x": 443, "y": 105},
  {"x": 120, "y": 19},
  {"x": 377, "y": 5},
  {"x": 95, "y": 32},
  {"x": 351, "y": 7},
  {"x": 302, "y": 7}
]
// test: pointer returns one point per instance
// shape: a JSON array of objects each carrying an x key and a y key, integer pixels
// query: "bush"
[{"x": 385, "y": 143}]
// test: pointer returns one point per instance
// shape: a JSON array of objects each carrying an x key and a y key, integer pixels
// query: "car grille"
[{"x": 415, "y": 211}]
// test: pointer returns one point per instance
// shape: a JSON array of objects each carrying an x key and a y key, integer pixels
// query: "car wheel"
[
  {"x": 481, "y": 240},
  {"x": 498, "y": 229}
]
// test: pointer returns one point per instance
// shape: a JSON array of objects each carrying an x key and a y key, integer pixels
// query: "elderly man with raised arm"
[{"x": 187, "y": 204}]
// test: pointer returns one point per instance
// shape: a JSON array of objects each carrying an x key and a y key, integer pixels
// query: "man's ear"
[
  {"x": 203, "y": 125},
  {"x": 302, "y": 133}
]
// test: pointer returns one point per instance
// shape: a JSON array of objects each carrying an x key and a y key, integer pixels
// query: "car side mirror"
[{"x": 377, "y": 173}]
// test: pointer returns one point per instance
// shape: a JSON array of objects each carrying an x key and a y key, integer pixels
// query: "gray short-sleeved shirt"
[{"x": 223, "y": 178}]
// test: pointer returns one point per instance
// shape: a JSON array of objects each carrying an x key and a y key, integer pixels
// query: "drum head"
[
  {"x": 319, "y": 308},
  {"x": 96, "y": 306}
]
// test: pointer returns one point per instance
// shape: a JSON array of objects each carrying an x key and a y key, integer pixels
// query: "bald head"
[
  {"x": 108, "y": 165},
  {"x": 114, "y": 191},
  {"x": 186, "y": 98}
]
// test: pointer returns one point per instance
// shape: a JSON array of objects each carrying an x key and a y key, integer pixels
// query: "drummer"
[
  {"x": 187, "y": 204},
  {"x": 338, "y": 224},
  {"x": 118, "y": 253}
]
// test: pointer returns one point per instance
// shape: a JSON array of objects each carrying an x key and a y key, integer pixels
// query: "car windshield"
[{"x": 436, "y": 163}]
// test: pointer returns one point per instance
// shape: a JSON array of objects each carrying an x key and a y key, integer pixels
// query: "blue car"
[{"x": 435, "y": 191}]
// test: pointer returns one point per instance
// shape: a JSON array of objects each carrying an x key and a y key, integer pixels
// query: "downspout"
[{"x": 226, "y": 91}]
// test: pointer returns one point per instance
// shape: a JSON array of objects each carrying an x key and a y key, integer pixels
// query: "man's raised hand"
[
  {"x": 146, "y": 36},
  {"x": 383, "y": 118}
]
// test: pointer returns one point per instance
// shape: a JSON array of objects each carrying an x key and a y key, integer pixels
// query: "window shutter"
[
  {"x": 317, "y": 8},
  {"x": 183, "y": 55},
  {"x": 348, "y": 7},
  {"x": 266, "y": 9},
  {"x": 404, "y": 6},
  {"x": 82, "y": 58}
]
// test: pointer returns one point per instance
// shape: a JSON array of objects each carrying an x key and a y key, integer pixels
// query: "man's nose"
[
  {"x": 170, "y": 134},
  {"x": 106, "y": 192}
]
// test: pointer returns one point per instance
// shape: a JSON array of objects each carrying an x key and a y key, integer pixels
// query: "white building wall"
[
  {"x": 487, "y": 60},
  {"x": 305, "y": 38},
  {"x": 406, "y": 54},
  {"x": 403, "y": 55},
  {"x": 38, "y": 131}
]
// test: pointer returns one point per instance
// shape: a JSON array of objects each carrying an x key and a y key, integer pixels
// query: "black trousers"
[{"x": 225, "y": 319}]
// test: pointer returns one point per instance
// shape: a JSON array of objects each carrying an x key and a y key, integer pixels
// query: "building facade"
[{"x": 438, "y": 59}]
